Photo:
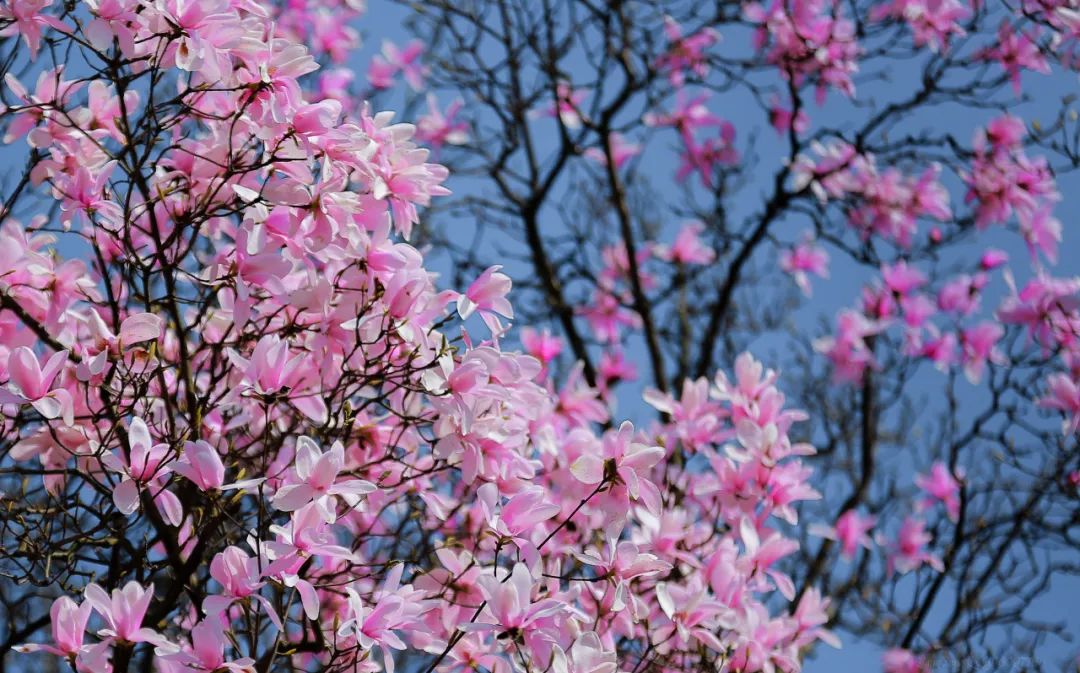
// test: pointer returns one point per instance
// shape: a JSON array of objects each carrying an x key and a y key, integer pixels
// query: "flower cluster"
[
  {"x": 884, "y": 202},
  {"x": 808, "y": 40},
  {"x": 305, "y": 452}
]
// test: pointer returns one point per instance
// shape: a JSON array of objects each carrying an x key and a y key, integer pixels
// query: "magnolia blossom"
[
  {"x": 510, "y": 609},
  {"x": 908, "y": 551},
  {"x": 804, "y": 259},
  {"x": 30, "y": 383},
  {"x": 272, "y": 370},
  {"x": 899, "y": 660},
  {"x": 586, "y": 655},
  {"x": 394, "y": 60},
  {"x": 620, "y": 148},
  {"x": 624, "y": 464},
  {"x": 567, "y": 106},
  {"x": 314, "y": 478},
  {"x": 687, "y": 248},
  {"x": 68, "y": 628},
  {"x": 29, "y": 20},
  {"x": 1063, "y": 394},
  {"x": 851, "y": 531},
  {"x": 438, "y": 128},
  {"x": 123, "y": 612},
  {"x": 207, "y": 651},
  {"x": 685, "y": 53},
  {"x": 142, "y": 468},
  {"x": 487, "y": 294},
  {"x": 941, "y": 486}
]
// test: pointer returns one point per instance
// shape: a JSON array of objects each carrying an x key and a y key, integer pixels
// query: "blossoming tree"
[
  {"x": 245, "y": 428},
  {"x": 679, "y": 181}
]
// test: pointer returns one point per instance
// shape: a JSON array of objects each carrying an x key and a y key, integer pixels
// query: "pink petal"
[{"x": 126, "y": 496}]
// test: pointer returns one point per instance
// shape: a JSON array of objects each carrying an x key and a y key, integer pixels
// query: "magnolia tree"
[
  {"x": 244, "y": 428},
  {"x": 671, "y": 183}
]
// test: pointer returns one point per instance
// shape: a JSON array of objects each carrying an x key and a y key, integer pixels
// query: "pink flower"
[
  {"x": 68, "y": 628},
  {"x": 901, "y": 278},
  {"x": 810, "y": 616},
  {"x": 375, "y": 625},
  {"x": 621, "y": 151},
  {"x": 688, "y": 613},
  {"x": 931, "y": 21},
  {"x": 240, "y": 577},
  {"x": 810, "y": 41},
  {"x": 704, "y": 158},
  {"x": 201, "y": 464},
  {"x": 394, "y": 607},
  {"x": 567, "y": 106},
  {"x": 607, "y": 316},
  {"x": 961, "y": 294},
  {"x": 207, "y": 651},
  {"x": 519, "y": 517},
  {"x": 579, "y": 402},
  {"x": 613, "y": 368},
  {"x": 848, "y": 350},
  {"x": 805, "y": 258},
  {"x": 437, "y": 129},
  {"x": 917, "y": 309},
  {"x": 1003, "y": 180},
  {"x": 908, "y": 551},
  {"x": 941, "y": 486},
  {"x": 586, "y": 655},
  {"x": 314, "y": 479},
  {"x": 471, "y": 654},
  {"x": 623, "y": 562},
  {"x": 689, "y": 116},
  {"x": 851, "y": 531},
  {"x": 52, "y": 91},
  {"x": 992, "y": 259},
  {"x": 30, "y": 383},
  {"x": 29, "y": 19},
  {"x": 979, "y": 345},
  {"x": 135, "y": 328},
  {"x": 307, "y": 534},
  {"x": 335, "y": 84},
  {"x": 317, "y": 119},
  {"x": 685, "y": 53},
  {"x": 1015, "y": 51},
  {"x": 541, "y": 345},
  {"x": 1042, "y": 233},
  {"x": 143, "y": 467},
  {"x": 1047, "y": 306},
  {"x": 487, "y": 294},
  {"x": 941, "y": 350},
  {"x": 86, "y": 195},
  {"x": 271, "y": 371},
  {"x": 626, "y": 465},
  {"x": 688, "y": 248},
  {"x": 380, "y": 73},
  {"x": 1003, "y": 133},
  {"x": 393, "y": 60},
  {"x": 1063, "y": 394},
  {"x": 510, "y": 610},
  {"x": 124, "y": 612},
  {"x": 784, "y": 121},
  {"x": 897, "y": 660}
]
